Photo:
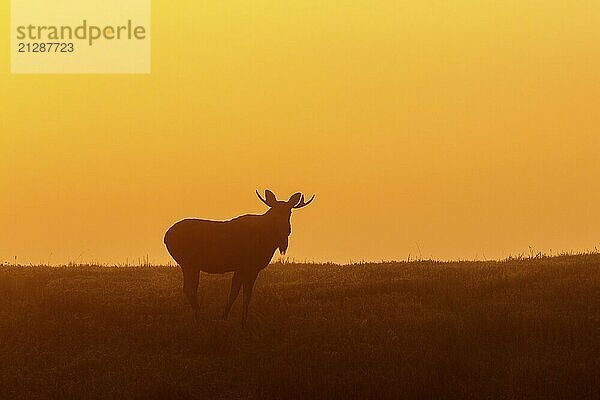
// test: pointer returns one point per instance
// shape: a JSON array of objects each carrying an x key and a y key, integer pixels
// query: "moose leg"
[
  {"x": 191, "y": 277},
  {"x": 236, "y": 283},
  {"x": 249, "y": 280}
]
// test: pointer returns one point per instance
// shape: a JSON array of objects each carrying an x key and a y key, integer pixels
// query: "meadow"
[{"x": 514, "y": 329}]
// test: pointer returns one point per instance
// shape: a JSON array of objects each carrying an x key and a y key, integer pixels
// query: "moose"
[{"x": 243, "y": 245}]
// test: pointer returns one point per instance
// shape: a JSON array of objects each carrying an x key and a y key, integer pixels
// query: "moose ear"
[
  {"x": 270, "y": 198},
  {"x": 294, "y": 200}
]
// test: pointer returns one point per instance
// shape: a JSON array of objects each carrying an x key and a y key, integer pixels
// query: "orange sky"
[{"x": 468, "y": 127}]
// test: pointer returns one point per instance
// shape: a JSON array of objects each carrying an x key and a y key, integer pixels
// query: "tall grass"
[{"x": 519, "y": 328}]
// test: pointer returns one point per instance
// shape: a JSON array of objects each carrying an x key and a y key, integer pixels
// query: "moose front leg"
[
  {"x": 236, "y": 283},
  {"x": 248, "y": 282}
]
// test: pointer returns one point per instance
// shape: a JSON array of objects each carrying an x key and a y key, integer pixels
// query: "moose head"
[{"x": 280, "y": 213}]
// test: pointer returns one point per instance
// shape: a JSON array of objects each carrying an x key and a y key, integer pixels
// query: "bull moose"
[{"x": 243, "y": 245}]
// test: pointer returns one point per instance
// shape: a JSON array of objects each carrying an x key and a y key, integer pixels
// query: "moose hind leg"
[{"x": 191, "y": 277}]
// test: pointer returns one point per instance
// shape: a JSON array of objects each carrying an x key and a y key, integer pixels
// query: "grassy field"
[{"x": 466, "y": 330}]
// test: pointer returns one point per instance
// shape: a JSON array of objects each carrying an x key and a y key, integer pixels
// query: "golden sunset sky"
[{"x": 469, "y": 127}]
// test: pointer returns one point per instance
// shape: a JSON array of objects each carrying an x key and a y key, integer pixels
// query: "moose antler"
[
  {"x": 269, "y": 198},
  {"x": 261, "y": 199},
  {"x": 302, "y": 203}
]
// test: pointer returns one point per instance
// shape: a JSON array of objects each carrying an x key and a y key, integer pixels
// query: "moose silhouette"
[{"x": 243, "y": 245}]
